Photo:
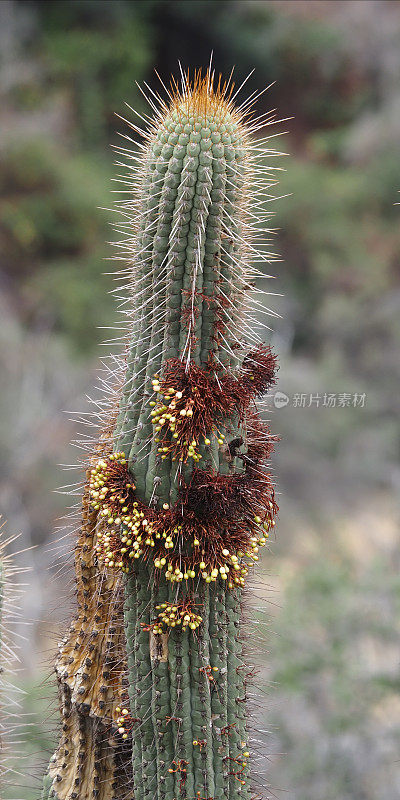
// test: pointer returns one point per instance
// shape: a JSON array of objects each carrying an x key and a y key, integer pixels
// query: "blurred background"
[{"x": 329, "y": 598}]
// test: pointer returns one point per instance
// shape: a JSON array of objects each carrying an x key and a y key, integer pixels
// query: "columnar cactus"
[
  {"x": 179, "y": 496},
  {"x": 10, "y": 724}
]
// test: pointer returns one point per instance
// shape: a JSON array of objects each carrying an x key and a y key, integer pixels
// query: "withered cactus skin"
[
  {"x": 179, "y": 497},
  {"x": 89, "y": 762}
]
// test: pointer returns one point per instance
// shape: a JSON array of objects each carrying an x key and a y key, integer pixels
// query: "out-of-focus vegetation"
[{"x": 65, "y": 69}]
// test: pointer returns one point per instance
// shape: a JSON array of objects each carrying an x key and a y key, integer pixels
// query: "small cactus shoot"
[{"x": 179, "y": 498}]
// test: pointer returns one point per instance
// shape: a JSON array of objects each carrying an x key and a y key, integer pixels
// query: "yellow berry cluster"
[
  {"x": 208, "y": 671},
  {"x": 116, "y": 507},
  {"x": 175, "y": 574},
  {"x": 136, "y": 535},
  {"x": 172, "y": 616},
  {"x": 169, "y": 413},
  {"x": 241, "y": 761},
  {"x": 99, "y": 476},
  {"x": 128, "y": 533},
  {"x": 123, "y": 713}
]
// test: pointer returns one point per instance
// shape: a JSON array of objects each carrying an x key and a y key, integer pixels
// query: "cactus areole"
[{"x": 179, "y": 497}]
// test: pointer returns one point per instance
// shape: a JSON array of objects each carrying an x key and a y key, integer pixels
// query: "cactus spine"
[
  {"x": 179, "y": 497},
  {"x": 10, "y": 724}
]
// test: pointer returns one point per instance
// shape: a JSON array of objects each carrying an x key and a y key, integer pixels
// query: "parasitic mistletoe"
[{"x": 179, "y": 497}]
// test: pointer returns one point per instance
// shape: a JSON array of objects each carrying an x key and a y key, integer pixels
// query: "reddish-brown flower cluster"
[
  {"x": 191, "y": 401},
  {"x": 213, "y": 531},
  {"x": 258, "y": 372},
  {"x": 173, "y": 615},
  {"x": 219, "y": 521}
]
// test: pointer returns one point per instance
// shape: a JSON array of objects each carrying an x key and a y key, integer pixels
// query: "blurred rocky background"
[{"x": 328, "y": 602}]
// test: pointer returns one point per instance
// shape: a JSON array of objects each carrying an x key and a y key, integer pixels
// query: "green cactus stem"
[{"x": 186, "y": 493}]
